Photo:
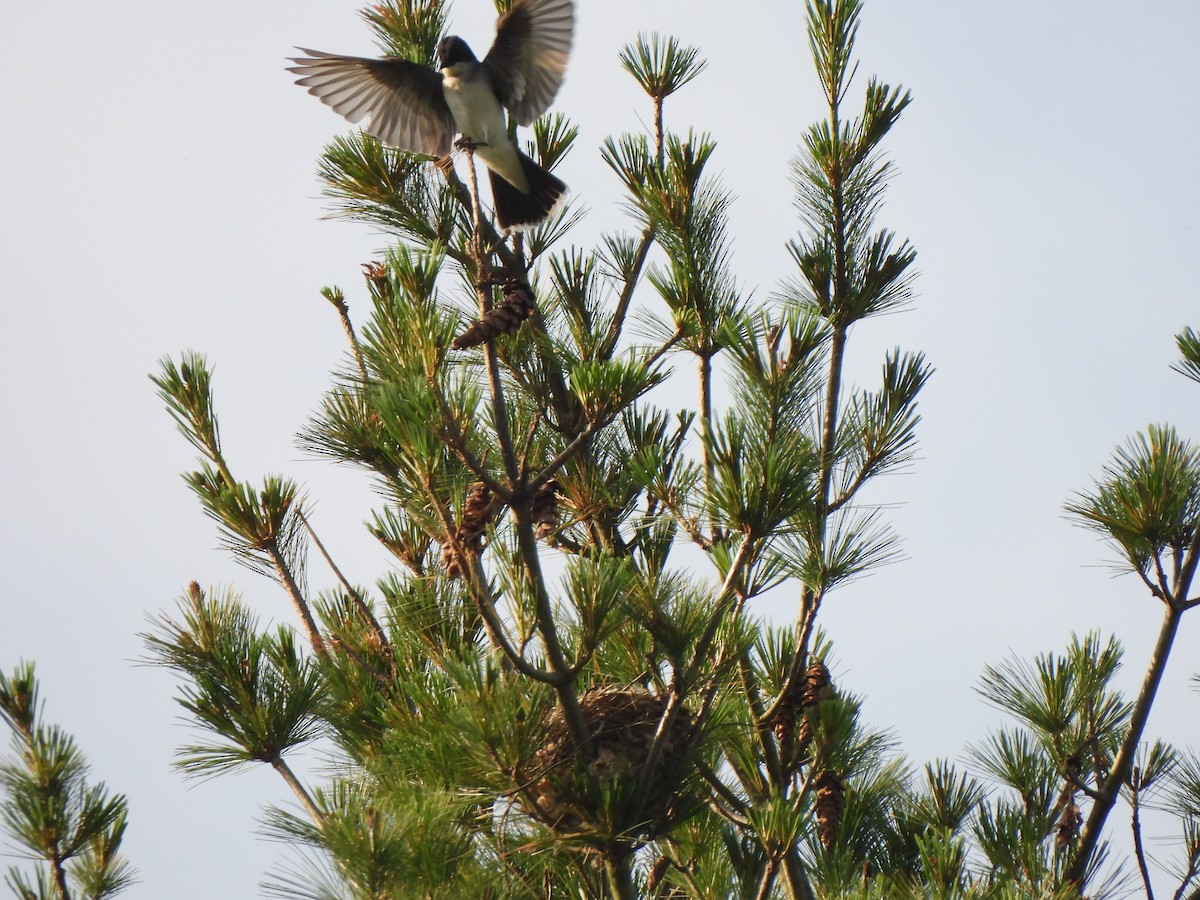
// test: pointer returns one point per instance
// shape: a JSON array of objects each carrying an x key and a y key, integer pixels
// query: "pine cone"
[
  {"x": 816, "y": 683},
  {"x": 1067, "y": 829},
  {"x": 504, "y": 318},
  {"x": 816, "y": 679},
  {"x": 830, "y": 799},
  {"x": 787, "y": 712},
  {"x": 451, "y": 561},
  {"x": 656, "y": 873},
  {"x": 543, "y": 509},
  {"x": 797, "y": 710},
  {"x": 476, "y": 514}
]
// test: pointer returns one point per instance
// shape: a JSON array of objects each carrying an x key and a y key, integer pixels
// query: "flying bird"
[{"x": 421, "y": 110}]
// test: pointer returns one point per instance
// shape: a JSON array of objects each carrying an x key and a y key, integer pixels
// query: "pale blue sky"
[{"x": 158, "y": 194}]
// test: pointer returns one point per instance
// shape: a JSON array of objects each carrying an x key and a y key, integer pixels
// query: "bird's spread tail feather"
[{"x": 517, "y": 210}]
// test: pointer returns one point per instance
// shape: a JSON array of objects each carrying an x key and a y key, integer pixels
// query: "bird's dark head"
[{"x": 453, "y": 50}]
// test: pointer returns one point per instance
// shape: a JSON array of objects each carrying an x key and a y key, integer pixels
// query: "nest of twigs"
[{"x": 570, "y": 790}]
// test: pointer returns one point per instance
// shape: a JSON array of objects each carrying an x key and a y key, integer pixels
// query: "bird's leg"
[{"x": 467, "y": 143}]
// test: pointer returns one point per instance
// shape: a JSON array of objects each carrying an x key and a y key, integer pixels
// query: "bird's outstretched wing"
[
  {"x": 405, "y": 102},
  {"x": 529, "y": 56}
]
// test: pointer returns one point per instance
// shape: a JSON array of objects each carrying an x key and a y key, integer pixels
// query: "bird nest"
[{"x": 570, "y": 790}]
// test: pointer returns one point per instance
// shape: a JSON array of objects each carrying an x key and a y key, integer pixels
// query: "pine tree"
[
  {"x": 71, "y": 827},
  {"x": 549, "y": 695}
]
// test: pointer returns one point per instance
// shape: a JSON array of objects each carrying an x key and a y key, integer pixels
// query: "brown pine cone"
[
  {"x": 543, "y": 509},
  {"x": 830, "y": 799},
  {"x": 816, "y": 679},
  {"x": 1067, "y": 829},
  {"x": 804, "y": 697},
  {"x": 816, "y": 688},
  {"x": 504, "y": 318},
  {"x": 451, "y": 561},
  {"x": 656, "y": 873},
  {"x": 476, "y": 514},
  {"x": 790, "y": 708}
]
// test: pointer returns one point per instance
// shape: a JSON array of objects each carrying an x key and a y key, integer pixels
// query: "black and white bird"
[{"x": 418, "y": 109}]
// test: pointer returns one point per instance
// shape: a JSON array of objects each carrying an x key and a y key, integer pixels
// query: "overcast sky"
[{"x": 157, "y": 193}]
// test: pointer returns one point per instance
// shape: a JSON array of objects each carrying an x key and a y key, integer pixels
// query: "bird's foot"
[{"x": 466, "y": 143}]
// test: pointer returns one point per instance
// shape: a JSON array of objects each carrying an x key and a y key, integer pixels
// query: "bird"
[{"x": 416, "y": 108}]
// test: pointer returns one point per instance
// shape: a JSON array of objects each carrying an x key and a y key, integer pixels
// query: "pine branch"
[
  {"x": 338, "y": 299},
  {"x": 620, "y": 875},
  {"x": 1110, "y": 790},
  {"x": 298, "y": 789},
  {"x": 457, "y": 442},
  {"x": 768, "y": 880},
  {"x": 484, "y": 231},
  {"x": 60, "y": 875},
  {"x": 563, "y": 674},
  {"x": 1138, "y": 849},
  {"x": 287, "y": 579},
  {"x": 609, "y": 346},
  {"x": 360, "y": 604},
  {"x": 706, "y": 436},
  {"x": 682, "y": 683},
  {"x": 491, "y": 362},
  {"x": 564, "y": 456},
  {"x": 797, "y": 878},
  {"x": 481, "y": 594}
]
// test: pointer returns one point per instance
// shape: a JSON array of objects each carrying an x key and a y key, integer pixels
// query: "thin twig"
[
  {"x": 548, "y": 630},
  {"x": 491, "y": 361},
  {"x": 60, "y": 874},
  {"x": 1192, "y": 869},
  {"x": 457, "y": 442},
  {"x": 771, "y": 749},
  {"x": 681, "y": 682},
  {"x": 527, "y": 446},
  {"x": 1163, "y": 583},
  {"x": 335, "y": 297},
  {"x": 705, "y": 438},
  {"x": 288, "y": 581},
  {"x": 811, "y": 601},
  {"x": 736, "y": 804},
  {"x": 768, "y": 880},
  {"x": 548, "y": 471},
  {"x": 639, "y": 258},
  {"x": 463, "y": 194},
  {"x": 1154, "y": 589},
  {"x": 360, "y": 604},
  {"x": 1187, "y": 571},
  {"x": 298, "y": 789},
  {"x": 563, "y": 674},
  {"x": 477, "y": 586},
  {"x": 661, "y": 351},
  {"x": 495, "y": 628},
  {"x": 622, "y": 310},
  {"x": 1138, "y": 849},
  {"x": 1123, "y": 764}
]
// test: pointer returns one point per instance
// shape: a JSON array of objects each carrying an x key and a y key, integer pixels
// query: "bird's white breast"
[
  {"x": 476, "y": 110},
  {"x": 479, "y": 116}
]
